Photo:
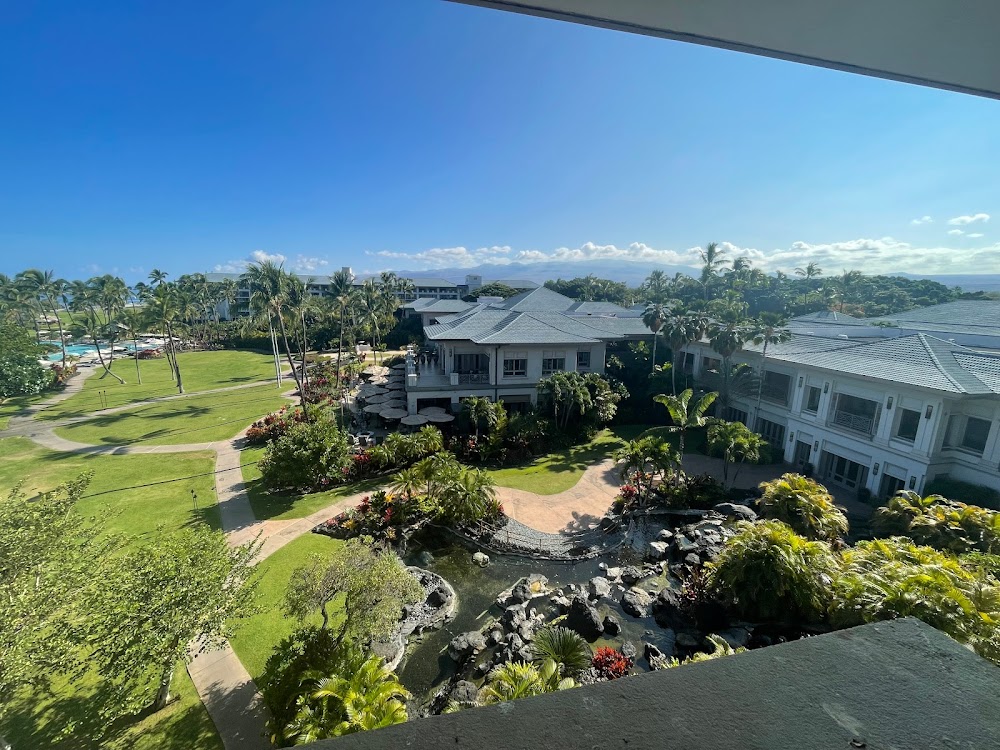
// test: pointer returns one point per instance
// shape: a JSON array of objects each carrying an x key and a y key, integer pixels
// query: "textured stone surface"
[{"x": 898, "y": 684}]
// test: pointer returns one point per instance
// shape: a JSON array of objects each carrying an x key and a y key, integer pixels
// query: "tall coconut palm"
[
  {"x": 158, "y": 277},
  {"x": 680, "y": 331},
  {"x": 685, "y": 414},
  {"x": 712, "y": 258},
  {"x": 47, "y": 290},
  {"x": 134, "y": 320},
  {"x": 341, "y": 288},
  {"x": 91, "y": 321},
  {"x": 268, "y": 285},
  {"x": 727, "y": 335},
  {"x": 654, "y": 317},
  {"x": 166, "y": 311},
  {"x": 768, "y": 329}
]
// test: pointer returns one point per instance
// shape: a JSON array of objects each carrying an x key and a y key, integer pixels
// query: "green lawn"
[
  {"x": 258, "y": 636},
  {"x": 12, "y": 406},
  {"x": 133, "y": 495},
  {"x": 200, "y": 418},
  {"x": 559, "y": 471},
  {"x": 200, "y": 371},
  {"x": 283, "y": 506}
]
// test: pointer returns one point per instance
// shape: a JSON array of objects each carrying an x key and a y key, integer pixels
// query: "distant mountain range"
[{"x": 633, "y": 273}]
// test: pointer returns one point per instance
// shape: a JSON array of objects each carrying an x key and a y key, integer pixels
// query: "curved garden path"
[{"x": 223, "y": 683}]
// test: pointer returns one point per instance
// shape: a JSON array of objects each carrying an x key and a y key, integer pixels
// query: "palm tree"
[
  {"x": 342, "y": 288},
  {"x": 469, "y": 496},
  {"x": 406, "y": 482},
  {"x": 46, "y": 290},
  {"x": 165, "y": 310},
  {"x": 811, "y": 271},
  {"x": 86, "y": 301},
  {"x": 685, "y": 414},
  {"x": 479, "y": 410},
  {"x": 565, "y": 647},
  {"x": 647, "y": 457},
  {"x": 134, "y": 321},
  {"x": 654, "y": 317},
  {"x": 727, "y": 336},
  {"x": 157, "y": 276},
  {"x": 429, "y": 440},
  {"x": 768, "y": 329},
  {"x": 513, "y": 680},
  {"x": 737, "y": 443},
  {"x": 848, "y": 284},
  {"x": 681, "y": 330},
  {"x": 712, "y": 260}
]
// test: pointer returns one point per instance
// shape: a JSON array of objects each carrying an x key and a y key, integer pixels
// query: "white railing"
[{"x": 855, "y": 422}]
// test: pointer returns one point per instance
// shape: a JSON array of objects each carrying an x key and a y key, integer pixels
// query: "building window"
[
  {"x": 772, "y": 432},
  {"x": 553, "y": 362},
  {"x": 775, "y": 386},
  {"x": 711, "y": 363},
  {"x": 732, "y": 414},
  {"x": 909, "y": 420},
  {"x": 977, "y": 432},
  {"x": 812, "y": 399},
  {"x": 583, "y": 360},
  {"x": 515, "y": 366},
  {"x": 857, "y": 414},
  {"x": 688, "y": 362}
]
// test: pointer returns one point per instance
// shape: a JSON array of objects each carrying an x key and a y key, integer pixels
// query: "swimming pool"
[{"x": 83, "y": 350}]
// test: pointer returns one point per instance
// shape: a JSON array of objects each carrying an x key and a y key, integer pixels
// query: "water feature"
[{"x": 427, "y": 665}]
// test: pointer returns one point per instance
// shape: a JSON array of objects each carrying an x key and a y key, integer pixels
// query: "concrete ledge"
[{"x": 887, "y": 685}]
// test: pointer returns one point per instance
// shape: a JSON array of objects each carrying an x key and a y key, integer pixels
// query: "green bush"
[
  {"x": 767, "y": 572},
  {"x": 939, "y": 523},
  {"x": 805, "y": 505},
  {"x": 964, "y": 492},
  {"x": 884, "y": 579},
  {"x": 311, "y": 456},
  {"x": 565, "y": 647}
]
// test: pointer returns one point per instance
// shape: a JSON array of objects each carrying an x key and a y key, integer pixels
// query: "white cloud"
[
  {"x": 922, "y": 220},
  {"x": 308, "y": 264},
  {"x": 259, "y": 256},
  {"x": 959, "y": 221},
  {"x": 955, "y": 232},
  {"x": 301, "y": 264},
  {"x": 975, "y": 235}
]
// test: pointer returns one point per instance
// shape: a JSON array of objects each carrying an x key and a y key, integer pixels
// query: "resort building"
[
  {"x": 879, "y": 412},
  {"x": 501, "y": 349}
]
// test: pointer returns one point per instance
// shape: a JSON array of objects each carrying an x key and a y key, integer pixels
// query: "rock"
[
  {"x": 611, "y": 625},
  {"x": 561, "y": 602},
  {"x": 628, "y": 650},
  {"x": 686, "y": 640},
  {"x": 464, "y": 691},
  {"x": 668, "y": 642},
  {"x": 512, "y": 617},
  {"x": 483, "y": 668},
  {"x": 733, "y": 510},
  {"x": 668, "y": 611},
  {"x": 481, "y": 559},
  {"x": 657, "y": 550},
  {"x": 584, "y": 619},
  {"x": 636, "y": 602},
  {"x": 523, "y": 655},
  {"x": 465, "y": 645},
  {"x": 527, "y": 630},
  {"x": 515, "y": 641},
  {"x": 630, "y": 575},
  {"x": 602, "y": 566},
  {"x": 665, "y": 535},
  {"x": 439, "y": 597},
  {"x": 521, "y": 592},
  {"x": 613, "y": 573},
  {"x": 684, "y": 545},
  {"x": 495, "y": 637},
  {"x": 692, "y": 559},
  {"x": 736, "y": 637},
  {"x": 599, "y": 588},
  {"x": 425, "y": 558},
  {"x": 651, "y": 652}
]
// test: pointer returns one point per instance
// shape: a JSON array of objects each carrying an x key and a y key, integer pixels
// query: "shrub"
[
  {"x": 805, "y": 505},
  {"x": 310, "y": 456},
  {"x": 611, "y": 663},
  {"x": 702, "y": 491},
  {"x": 719, "y": 649},
  {"x": 565, "y": 647},
  {"x": 939, "y": 523},
  {"x": 271, "y": 427},
  {"x": 888, "y": 578},
  {"x": 965, "y": 492},
  {"x": 22, "y": 375},
  {"x": 767, "y": 572}
]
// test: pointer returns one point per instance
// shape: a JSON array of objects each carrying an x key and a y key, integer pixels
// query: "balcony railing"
[
  {"x": 474, "y": 378},
  {"x": 854, "y": 422}
]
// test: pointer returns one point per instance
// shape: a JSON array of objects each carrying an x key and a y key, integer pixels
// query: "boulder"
[
  {"x": 651, "y": 652},
  {"x": 628, "y": 650},
  {"x": 465, "y": 645},
  {"x": 521, "y": 592},
  {"x": 636, "y": 602},
  {"x": 527, "y": 630},
  {"x": 425, "y": 558},
  {"x": 736, "y": 637},
  {"x": 630, "y": 575},
  {"x": 561, "y": 602},
  {"x": 668, "y": 611},
  {"x": 613, "y": 573},
  {"x": 599, "y": 588},
  {"x": 439, "y": 597},
  {"x": 611, "y": 625},
  {"x": 692, "y": 559},
  {"x": 481, "y": 559},
  {"x": 665, "y": 535},
  {"x": 512, "y": 617},
  {"x": 464, "y": 691},
  {"x": 584, "y": 619},
  {"x": 684, "y": 545},
  {"x": 657, "y": 550},
  {"x": 736, "y": 511}
]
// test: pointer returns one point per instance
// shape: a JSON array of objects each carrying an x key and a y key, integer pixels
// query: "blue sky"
[{"x": 420, "y": 134}]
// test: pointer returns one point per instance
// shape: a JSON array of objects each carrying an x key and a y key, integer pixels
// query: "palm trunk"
[
  {"x": 305, "y": 348},
  {"x": 673, "y": 375},
  {"x": 340, "y": 348},
  {"x": 274, "y": 350},
  {"x": 62, "y": 335},
  {"x": 100, "y": 358},
  {"x": 760, "y": 387},
  {"x": 656, "y": 335},
  {"x": 177, "y": 367},
  {"x": 288, "y": 356}
]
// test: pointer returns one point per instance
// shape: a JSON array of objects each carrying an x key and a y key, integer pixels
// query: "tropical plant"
[
  {"x": 309, "y": 455},
  {"x": 767, "y": 572},
  {"x": 685, "y": 414},
  {"x": 712, "y": 258},
  {"x": 938, "y": 522},
  {"x": 805, "y": 505},
  {"x": 720, "y": 648},
  {"x": 610, "y": 663},
  {"x": 737, "y": 444},
  {"x": 515, "y": 680},
  {"x": 681, "y": 330},
  {"x": 654, "y": 317},
  {"x": 565, "y": 647},
  {"x": 579, "y": 401},
  {"x": 766, "y": 331},
  {"x": 641, "y": 461},
  {"x": 884, "y": 579},
  {"x": 21, "y": 373}
]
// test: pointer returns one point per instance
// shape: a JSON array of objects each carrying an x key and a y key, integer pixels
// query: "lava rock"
[
  {"x": 481, "y": 559},
  {"x": 584, "y": 619},
  {"x": 425, "y": 558},
  {"x": 651, "y": 652},
  {"x": 523, "y": 655},
  {"x": 464, "y": 691},
  {"x": 561, "y": 602},
  {"x": 439, "y": 597},
  {"x": 611, "y": 625},
  {"x": 686, "y": 640},
  {"x": 527, "y": 630},
  {"x": 668, "y": 611},
  {"x": 628, "y": 650},
  {"x": 494, "y": 637},
  {"x": 630, "y": 575},
  {"x": 613, "y": 573},
  {"x": 692, "y": 559},
  {"x": 736, "y": 637},
  {"x": 521, "y": 592},
  {"x": 657, "y": 550},
  {"x": 665, "y": 535},
  {"x": 465, "y": 645},
  {"x": 734, "y": 510},
  {"x": 599, "y": 588},
  {"x": 684, "y": 545},
  {"x": 636, "y": 602}
]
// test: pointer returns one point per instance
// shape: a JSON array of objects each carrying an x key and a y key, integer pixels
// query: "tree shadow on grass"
[{"x": 269, "y": 504}]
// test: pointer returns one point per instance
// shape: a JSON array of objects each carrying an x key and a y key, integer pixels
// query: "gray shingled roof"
[
  {"x": 541, "y": 299},
  {"x": 919, "y": 360},
  {"x": 830, "y": 317},
  {"x": 447, "y": 306},
  {"x": 967, "y": 312}
]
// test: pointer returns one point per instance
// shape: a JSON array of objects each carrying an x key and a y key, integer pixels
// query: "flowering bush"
[
  {"x": 611, "y": 663},
  {"x": 310, "y": 456},
  {"x": 63, "y": 374},
  {"x": 377, "y": 516},
  {"x": 323, "y": 386},
  {"x": 149, "y": 354},
  {"x": 273, "y": 426}
]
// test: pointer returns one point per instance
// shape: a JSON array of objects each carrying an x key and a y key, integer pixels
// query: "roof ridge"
[{"x": 933, "y": 355}]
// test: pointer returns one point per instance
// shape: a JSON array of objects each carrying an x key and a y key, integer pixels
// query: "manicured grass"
[
  {"x": 35, "y": 721},
  {"x": 200, "y": 418},
  {"x": 559, "y": 471},
  {"x": 13, "y": 406},
  {"x": 133, "y": 495},
  {"x": 258, "y": 635},
  {"x": 286, "y": 505},
  {"x": 200, "y": 371}
]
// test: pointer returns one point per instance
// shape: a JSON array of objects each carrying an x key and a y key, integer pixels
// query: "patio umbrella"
[
  {"x": 395, "y": 386},
  {"x": 373, "y": 408},
  {"x": 378, "y": 398},
  {"x": 393, "y": 413},
  {"x": 439, "y": 418},
  {"x": 394, "y": 404},
  {"x": 375, "y": 370},
  {"x": 427, "y": 411},
  {"x": 370, "y": 390},
  {"x": 413, "y": 420},
  {"x": 379, "y": 381}
]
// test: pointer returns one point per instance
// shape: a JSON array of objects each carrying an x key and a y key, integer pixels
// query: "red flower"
[{"x": 611, "y": 663}]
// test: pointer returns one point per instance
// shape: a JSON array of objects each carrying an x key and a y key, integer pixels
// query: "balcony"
[
  {"x": 854, "y": 422},
  {"x": 775, "y": 394},
  {"x": 472, "y": 378}
]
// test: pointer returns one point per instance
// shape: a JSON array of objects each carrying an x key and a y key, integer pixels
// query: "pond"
[{"x": 427, "y": 665}]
